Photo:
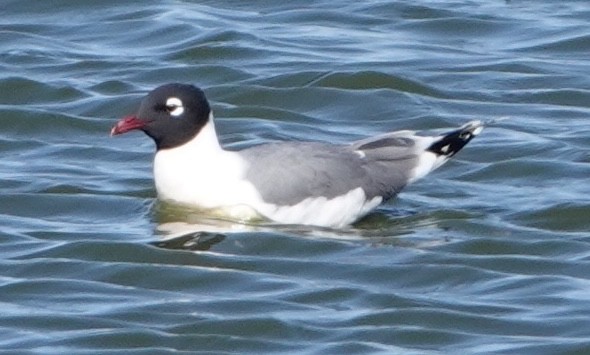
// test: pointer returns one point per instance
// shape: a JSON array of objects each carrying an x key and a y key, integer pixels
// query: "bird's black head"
[{"x": 171, "y": 115}]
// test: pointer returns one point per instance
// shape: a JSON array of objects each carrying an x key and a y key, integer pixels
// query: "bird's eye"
[{"x": 174, "y": 106}]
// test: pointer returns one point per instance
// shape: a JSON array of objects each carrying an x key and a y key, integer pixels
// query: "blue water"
[{"x": 489, "y": 254}]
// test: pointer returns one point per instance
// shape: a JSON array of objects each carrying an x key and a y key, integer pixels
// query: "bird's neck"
[
  {"x": 206, "y": 140},
  {"x": 202, "y": 152},
  {"x": 200, "y": 172}
]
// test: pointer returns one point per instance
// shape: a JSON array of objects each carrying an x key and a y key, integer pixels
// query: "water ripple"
[{"x": 489, "y": 254}]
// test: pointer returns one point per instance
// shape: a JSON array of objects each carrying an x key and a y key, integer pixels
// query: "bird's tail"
[
  {"x": 450, "y": 143},
  {"x": 442, "y": 148}
]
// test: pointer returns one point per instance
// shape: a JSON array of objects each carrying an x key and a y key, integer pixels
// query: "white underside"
[
  {"x": 201, "y": 173},
  {"x": 320, "y": 211}
]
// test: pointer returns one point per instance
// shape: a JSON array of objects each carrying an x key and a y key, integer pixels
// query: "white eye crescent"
[{"x": 174, "y": 106}]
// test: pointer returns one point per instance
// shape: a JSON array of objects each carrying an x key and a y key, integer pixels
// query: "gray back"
[{"x": 288, "y": 172}]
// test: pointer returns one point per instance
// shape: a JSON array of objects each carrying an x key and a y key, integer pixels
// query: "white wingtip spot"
[{"x": 477, "y": 130}]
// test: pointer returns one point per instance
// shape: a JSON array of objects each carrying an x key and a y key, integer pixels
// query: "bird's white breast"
[{"x": 201, "y": 173}]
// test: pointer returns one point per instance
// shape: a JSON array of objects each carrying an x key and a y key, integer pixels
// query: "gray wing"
[{"x": 289, "y": 172}]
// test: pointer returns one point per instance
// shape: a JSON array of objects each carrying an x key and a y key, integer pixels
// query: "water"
[{"x": 490, "y": 254}]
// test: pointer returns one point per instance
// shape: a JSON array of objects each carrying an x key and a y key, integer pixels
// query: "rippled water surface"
[{"x": 489, "y": 254}]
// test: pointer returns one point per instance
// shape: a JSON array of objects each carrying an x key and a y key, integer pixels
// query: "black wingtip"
[{"x": 454, "y": 141}]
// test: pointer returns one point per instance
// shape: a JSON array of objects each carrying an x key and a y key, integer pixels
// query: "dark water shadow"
[{"x": 200, "y": 241}]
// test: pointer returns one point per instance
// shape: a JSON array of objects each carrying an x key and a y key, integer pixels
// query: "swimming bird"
[{"x": 310, "y": 183}]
